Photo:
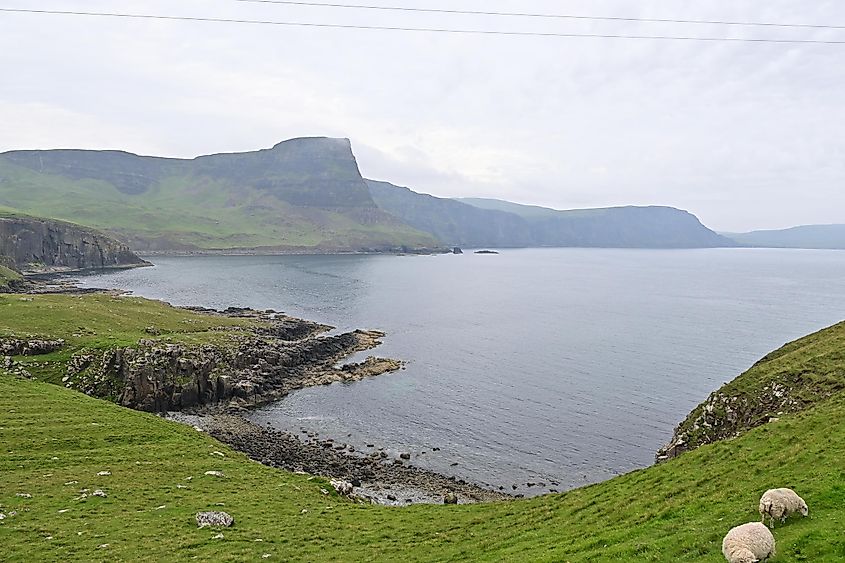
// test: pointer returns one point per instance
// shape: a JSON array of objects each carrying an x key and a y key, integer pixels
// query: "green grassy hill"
[
  {"x": 303, "y": 194},
  {"x": 8, "y": 277},
  {"x": 55, "y": 441}
]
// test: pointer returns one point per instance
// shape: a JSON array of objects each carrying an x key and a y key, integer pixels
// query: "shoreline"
[
  {"x": 281, "y": 354},
  {"x": 374, "y": 476}
]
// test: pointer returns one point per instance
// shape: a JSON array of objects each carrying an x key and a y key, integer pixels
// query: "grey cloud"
[{"x": 745, "y": 135}]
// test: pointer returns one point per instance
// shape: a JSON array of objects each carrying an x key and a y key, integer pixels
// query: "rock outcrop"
[
  {"x": 278, "y": 357},
  {"x": 35, "y": 244},
  {"x": 791, "y": 379},
  {"x": 724, "y": 415}
]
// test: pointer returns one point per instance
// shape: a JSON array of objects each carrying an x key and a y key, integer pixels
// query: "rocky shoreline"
[
  {"x": 373, "y": 476},
  {"x": 214, "y": 386}
]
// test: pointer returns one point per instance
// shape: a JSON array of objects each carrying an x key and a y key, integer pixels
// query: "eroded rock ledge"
[{"x": 277, "y": 356}]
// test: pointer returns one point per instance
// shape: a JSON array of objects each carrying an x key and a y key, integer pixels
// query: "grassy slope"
[
  {"x": 98, "y": 321},
  {"x": 812, "y": 368},
  {"x": 7, "y": 276},
  {"x": 676, "y": 511},
  {"x": 193, "y": 211}
]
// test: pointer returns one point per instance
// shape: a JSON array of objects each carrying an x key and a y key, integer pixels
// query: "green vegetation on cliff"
[
  {"x": 8, "y": 277},
  {"x": 55, "y": 441},
  {"x": 795, "y": 377},
  {"x": 100, "y": 321},
  {"x": 303, "y": 194}
]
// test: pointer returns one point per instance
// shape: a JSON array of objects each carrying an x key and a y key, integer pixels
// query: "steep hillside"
[
  {"x": 524, "y": 211},
  {"x": 56, "y": 443},
  {"x": 452, "y": 222},
  {"x": 300, "y": 195},
  {"x": 796, "y": 377},
  {"x": 806, "y": 236},
  {"x": 623, "y": 227},
  {"x": 9, "y": 278},
  {"x": 504, "y": 224},
  {"x": 32, "y": 243}
]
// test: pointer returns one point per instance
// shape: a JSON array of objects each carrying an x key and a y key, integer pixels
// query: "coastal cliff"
[
  {"x": 33, "y": 244},
  {"x": 261, "y": 358},
  {"x": 794, "y": 378}
]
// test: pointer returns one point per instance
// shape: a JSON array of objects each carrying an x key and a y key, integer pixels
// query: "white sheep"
[
  {"x": 748, "y": 543},
  {"x": 343, "y": 488},
  {"x": 779, "y": 504}
]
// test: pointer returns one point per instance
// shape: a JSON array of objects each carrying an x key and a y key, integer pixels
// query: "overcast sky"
[{"x": 744, "y": 135}]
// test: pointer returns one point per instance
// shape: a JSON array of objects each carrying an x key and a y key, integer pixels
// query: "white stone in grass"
[
  {"x": 215, "y": 473},
  {"x": 219, "y": 454},
  {"x": 23, "y": 495},
  {"x": 99, "y": 493},
  {"x": 103, "y": 473}
]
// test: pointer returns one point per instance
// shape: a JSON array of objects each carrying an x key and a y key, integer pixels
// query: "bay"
[{"x": 555, "y": 366}]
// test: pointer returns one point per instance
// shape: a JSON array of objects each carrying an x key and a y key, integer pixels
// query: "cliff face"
[
  {"x": 300, "y": 195},
  {"x": 36, "y": 244},
  {"x": 488, "y": 222}
]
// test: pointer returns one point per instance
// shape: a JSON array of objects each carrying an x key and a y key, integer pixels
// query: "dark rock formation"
[
  {"x": 286, "y": 355},
  {"x": 725, "y": 415},
  {"x": 375, "y": 478},
  {"x": 31, "y": 347},
  {"x": 36, "y": 244}
]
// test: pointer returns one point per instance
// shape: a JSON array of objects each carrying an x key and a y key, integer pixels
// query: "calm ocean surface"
[{"x": 541, "y": 365}]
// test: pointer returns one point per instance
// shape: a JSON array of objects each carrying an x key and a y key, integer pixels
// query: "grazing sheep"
[
  {"x": 779, "y": 504},
  {"x": 343, "y": 488},
  {"x": 748, "y": 543}
]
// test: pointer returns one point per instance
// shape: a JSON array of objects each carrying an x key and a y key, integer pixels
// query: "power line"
[
  {"x": 419, "y": 29},
  {"x": 536, "y": 15}
]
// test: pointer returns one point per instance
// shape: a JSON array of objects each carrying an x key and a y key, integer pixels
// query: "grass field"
[
  {"x": 100, "y": 321},
  {"x": 54, "y": 442}
]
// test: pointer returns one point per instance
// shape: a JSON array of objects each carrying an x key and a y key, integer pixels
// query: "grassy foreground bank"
[{"x": 55, "y": 441}]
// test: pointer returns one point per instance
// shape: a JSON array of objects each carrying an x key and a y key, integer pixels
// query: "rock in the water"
[
  {"x": 405, "y": 456},
  {"x": 214, "y": 519}
]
